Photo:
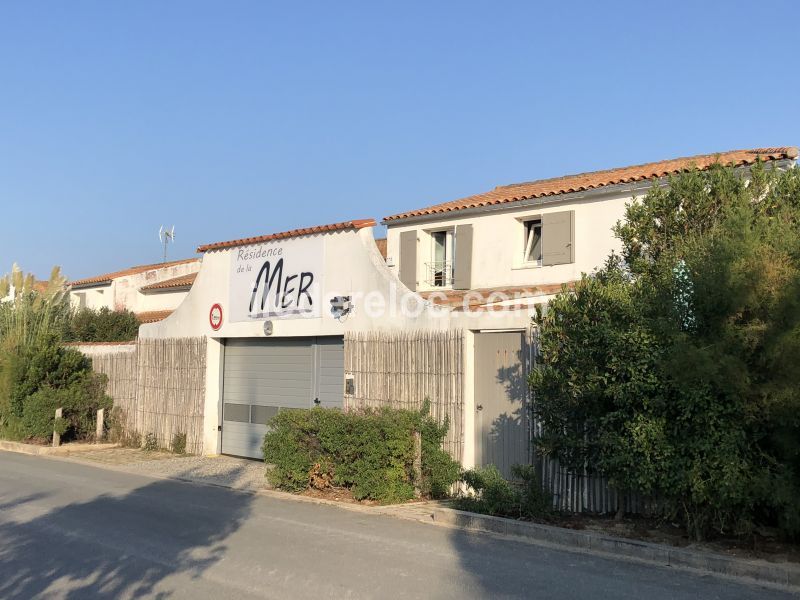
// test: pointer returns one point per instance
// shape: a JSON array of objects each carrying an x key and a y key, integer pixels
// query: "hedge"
[{"x": 370, "y": 452}]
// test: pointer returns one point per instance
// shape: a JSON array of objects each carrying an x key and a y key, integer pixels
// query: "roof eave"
[
  {"x": 353, "y": 225},
  {"x": 161, "y": 290},
  {"x": 633, "y": 188},
  {"x": 90, "y": 284}
]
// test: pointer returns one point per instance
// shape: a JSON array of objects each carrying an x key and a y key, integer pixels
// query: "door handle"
[{"x": 479, "y": 407}]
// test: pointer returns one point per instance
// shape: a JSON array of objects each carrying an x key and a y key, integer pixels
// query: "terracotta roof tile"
[
  {"x": 478, "y": 298},
  {"x": 358, "y": 224},
  {"x": 108, "y": 277},
  {"x": 153, "y": 316},
  {"x": 588, "y": 181},
  {"x": 184, "y": 281},
  {"x": 381, "y": 244}
]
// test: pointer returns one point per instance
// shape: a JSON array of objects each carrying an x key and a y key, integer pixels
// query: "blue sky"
[{"x": 231, "y": 119}]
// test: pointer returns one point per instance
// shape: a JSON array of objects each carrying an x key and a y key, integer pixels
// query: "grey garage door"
[{"x": 262, "y": 376}]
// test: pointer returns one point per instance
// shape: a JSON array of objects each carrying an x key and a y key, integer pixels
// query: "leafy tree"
[
  {"x": 103, "y": 325},
  {"x": 598, "y": 378},
  {"x": 685, "y": 384}
]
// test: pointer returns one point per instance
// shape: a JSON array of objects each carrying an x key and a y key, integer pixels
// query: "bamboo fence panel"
[
  {"x": 588, "y": 493},
  {"x": 171, "y": 390},
  {"x": 121, "y": 369},
  {"x": 159, "y": 388},
  {"x": 403, "y": 369}
]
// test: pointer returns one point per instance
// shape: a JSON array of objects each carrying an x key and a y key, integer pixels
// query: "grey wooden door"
[
  {"x": 501, "y": 409},
  {"x": 262, "y": 376}
]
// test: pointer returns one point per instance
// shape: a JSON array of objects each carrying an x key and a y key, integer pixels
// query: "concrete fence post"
[
  {"x": 98, "y": 433},
  {"x": 56, "y": 435}
]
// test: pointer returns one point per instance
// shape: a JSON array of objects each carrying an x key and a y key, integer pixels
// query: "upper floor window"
[
  {"x": 440, "y": 267},
  {"x": 533, "y": 242}
]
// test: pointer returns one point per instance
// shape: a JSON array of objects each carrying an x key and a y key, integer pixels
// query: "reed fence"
[
  {"x": 159, "y": 389},
  {"x": 122, "y": 371},
  {"x": 402, "y": 370},
  {"x": 171, "y": 390}
]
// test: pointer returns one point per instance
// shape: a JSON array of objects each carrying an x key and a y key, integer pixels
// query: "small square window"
[{"x": 533, "y": 242}]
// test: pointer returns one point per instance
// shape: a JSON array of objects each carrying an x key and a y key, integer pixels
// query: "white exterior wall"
[
  {"x": 127, "y": 294},
  {"x": 161, "y": 300},
  {"x": 93, "y": 297},
  {"x": 498, "y": 242},
  {"x": 99, "y": 349},
  {"x": 123, "y": 292},
  {"x": 354, "y": 267}
]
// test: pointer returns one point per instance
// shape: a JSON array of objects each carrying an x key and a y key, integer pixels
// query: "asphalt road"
[{"x": 71, "y": 530}]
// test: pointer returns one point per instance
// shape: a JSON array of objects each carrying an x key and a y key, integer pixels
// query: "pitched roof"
[
  {"x": 108, "y": 277},
  {"x": 516, "y": 192},
  {"x": 358, "y": 224},
  {"x": 184, "y": 281},
  {"x": 153, "y": 316}
]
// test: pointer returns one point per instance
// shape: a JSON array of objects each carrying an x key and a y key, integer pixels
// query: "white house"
[
  {"x": 286, "y": 314},
  {"x": 527, "y": 239},
  {"x": 150, "y": 291}
]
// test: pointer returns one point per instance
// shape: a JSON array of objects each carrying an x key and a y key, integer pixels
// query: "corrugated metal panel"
[
  {"x": 264, "y": 374},
  {"x": 330, "y": 372}
]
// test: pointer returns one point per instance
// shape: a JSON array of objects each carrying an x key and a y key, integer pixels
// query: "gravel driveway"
[{"x": 236, "y": 473}]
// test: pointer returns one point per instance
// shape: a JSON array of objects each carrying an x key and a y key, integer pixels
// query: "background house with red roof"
[{"x": 151, "y": 291}]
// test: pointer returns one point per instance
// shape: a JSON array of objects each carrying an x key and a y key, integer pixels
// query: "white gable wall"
[{"x": 352, "y": 266}]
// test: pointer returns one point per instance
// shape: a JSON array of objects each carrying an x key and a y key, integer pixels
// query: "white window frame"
[
  {"x": 528, "y": 224},
  {"x": 432, "y": 268}
]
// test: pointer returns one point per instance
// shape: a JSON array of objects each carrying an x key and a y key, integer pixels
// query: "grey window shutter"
[
  {"x": 408, "y": 259},
  {"x": 462, "y": 265},
  {"x": 558, "y": 233}
]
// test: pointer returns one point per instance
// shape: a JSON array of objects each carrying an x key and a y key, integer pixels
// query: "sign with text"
[{"x": 277, "y": 280}]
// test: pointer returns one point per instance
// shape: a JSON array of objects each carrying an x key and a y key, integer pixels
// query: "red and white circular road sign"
[{"x": 215, "y": 316}]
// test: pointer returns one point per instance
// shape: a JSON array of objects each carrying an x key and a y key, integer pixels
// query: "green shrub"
[
  {"x": 150, "y": 443},
  {"x": 178, "y": 445},
  {"x": 495, "y": 495},
  {"x": 44, "y": 364},
  {"x": 80, "y": 402},
  {"x": 131, "y": 440},
  {"x": 38, "y": 414},
  {"x": 104, "y": 325},
  {"x": 370, "y": 452}
]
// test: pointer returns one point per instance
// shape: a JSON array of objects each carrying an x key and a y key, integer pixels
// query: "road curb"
[
  {"x": 64, "y": 450},
  {"x": 785, "y": 576},
  {"x": 755, "y": 570}
]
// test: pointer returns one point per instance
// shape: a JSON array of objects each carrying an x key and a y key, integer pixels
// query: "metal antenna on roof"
[{"x": 165, "y": 236}]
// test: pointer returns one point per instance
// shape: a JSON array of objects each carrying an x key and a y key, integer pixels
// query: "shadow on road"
[{"x": 119, "y": 545}]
